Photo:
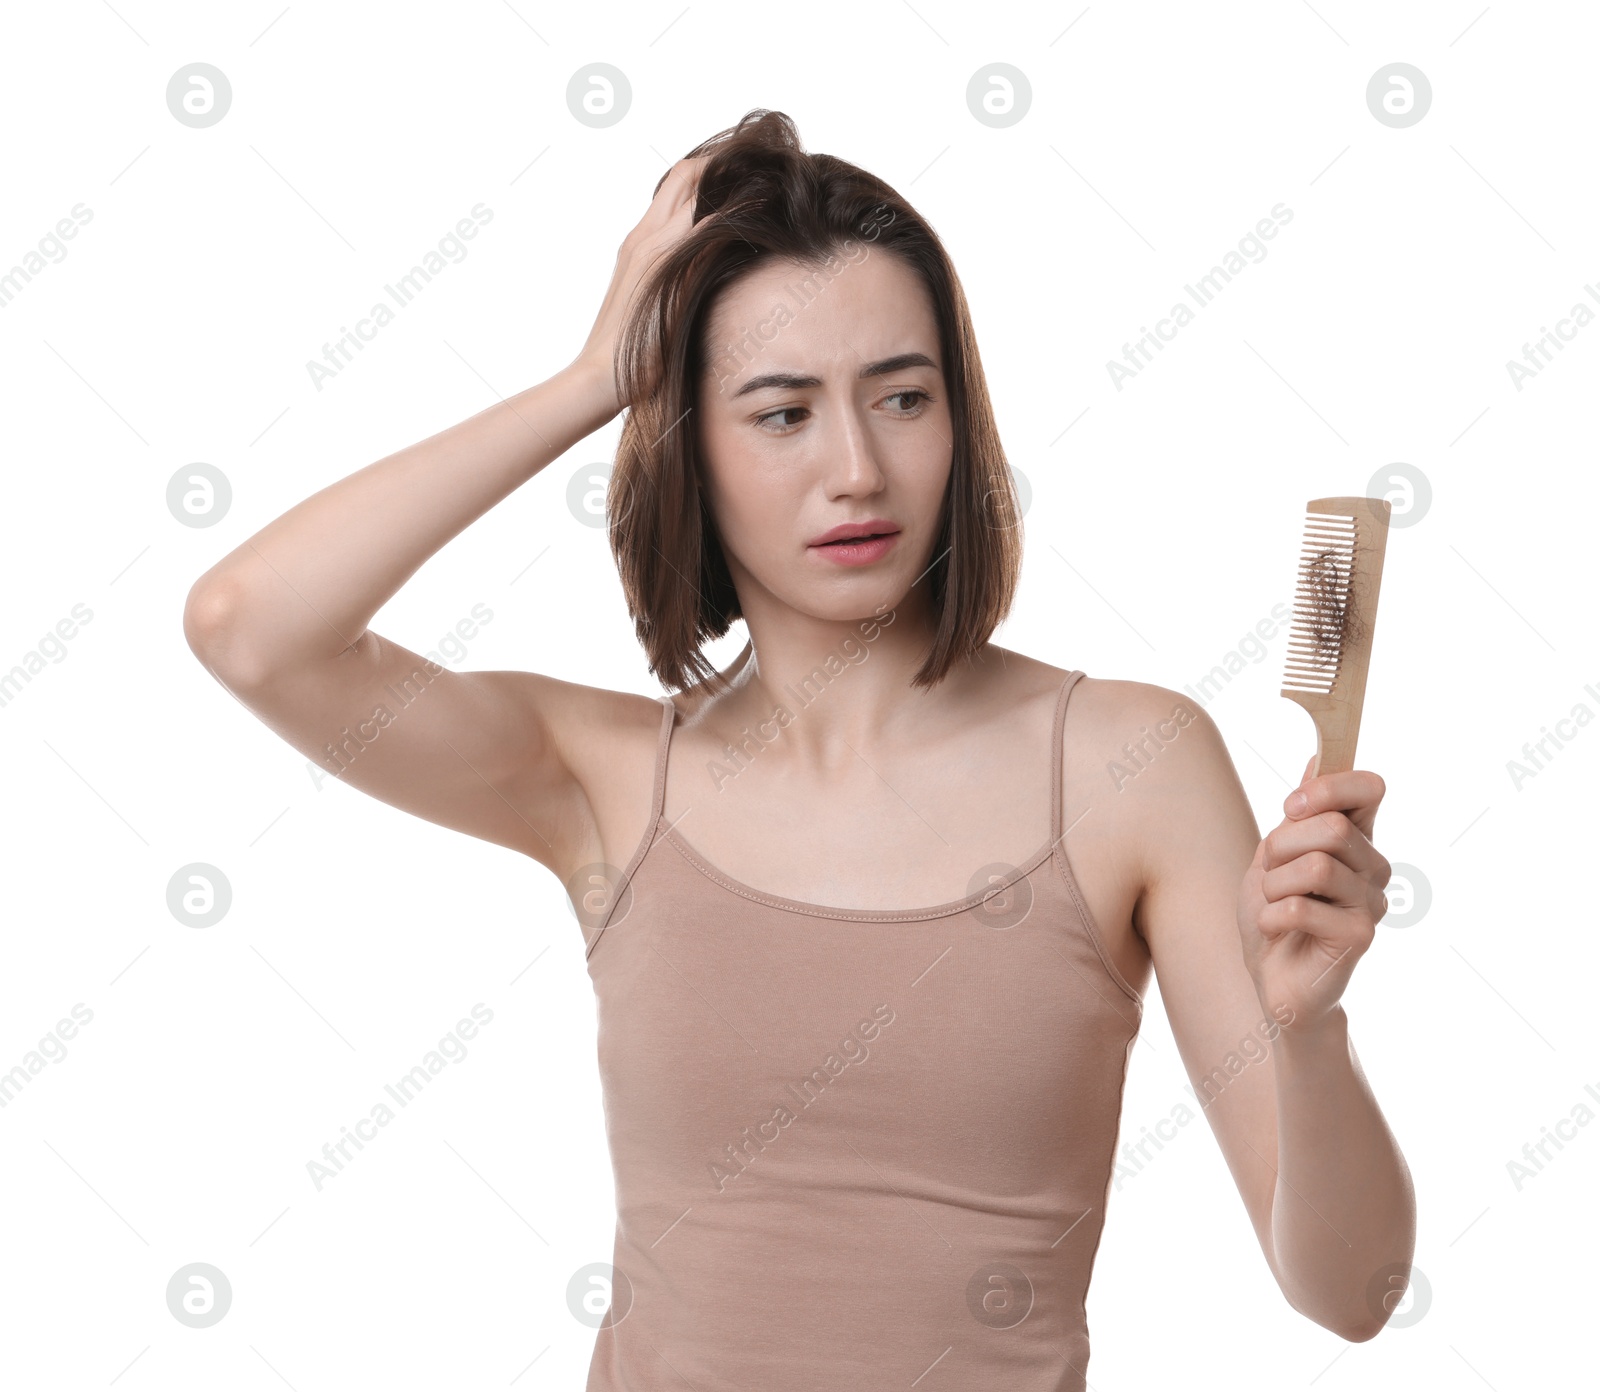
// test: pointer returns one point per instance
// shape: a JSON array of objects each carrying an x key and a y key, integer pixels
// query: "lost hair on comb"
[{"x": 1335, "y": 608}]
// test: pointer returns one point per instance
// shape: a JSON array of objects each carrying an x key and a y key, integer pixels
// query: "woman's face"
[{"x": 824, "y": 403}]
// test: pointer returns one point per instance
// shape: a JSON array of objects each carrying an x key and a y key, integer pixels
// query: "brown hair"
[{"x": 761, "y": 198}]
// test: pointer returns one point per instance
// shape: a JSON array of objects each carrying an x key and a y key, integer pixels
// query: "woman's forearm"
[
  {"x": 307, "y": 584},
  {"x": 1343, "y": 1211}
]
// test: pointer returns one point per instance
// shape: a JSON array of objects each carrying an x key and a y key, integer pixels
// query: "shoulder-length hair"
[{"x": 762, "y": 198}]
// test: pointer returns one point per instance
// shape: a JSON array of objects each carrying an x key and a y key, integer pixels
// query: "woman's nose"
[{"x": 854, "y": 466}]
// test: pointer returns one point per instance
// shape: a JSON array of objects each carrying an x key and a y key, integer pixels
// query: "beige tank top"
[{"x": 854, "y": 1148}]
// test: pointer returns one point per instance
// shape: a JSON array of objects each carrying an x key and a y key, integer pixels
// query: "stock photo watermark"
[
  {"x": 589, "y": 897},
  {"x": 1134, "y": 1156},
  {"x": 999, "y": 95},
  {"x": 1007, "y": 895},
  {"x": 451, "y": 1049},
  {"x": 1399, "y": 95},
  {"x": 599, "y": 95},
  {"x": 999, "y": 1295},
  {"x": 49, "y": 250},
  {"x": 849, "y": 653},
  {"x": 51, "y": 1048},
  {"x": 1251, "y": 649},
  {"x": 1143, "y": 750},
  {"x": 737, "y": 354},
  {"x": 1251, "y": 249},
  {"x": 199, "y": 1295},
  {"x": 50, "y": 650},
  {"x": 1536, "y": 1154},
  {"x": 1538, "y": 754},
  {"x": 199, "y": 495},
  {"x": 1539, "y": 354},
  {"x": 1410, "y": 895},
  {"x": 449, "y": 250},
  {"x": 1407, "y": 491},
  {"x": 738, "y": 1156},
  {"x": 1388, "y": 1292},
  {"x": 338, "y": 758},
  {"x": 199, "y": 95},
  {"x": 599, "y": 1294},
  {"x": 199, "y": 895},
  {"x": 1249, "y": 1050}
]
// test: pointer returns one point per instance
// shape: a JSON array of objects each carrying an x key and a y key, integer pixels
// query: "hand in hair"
[{"x": 665, "y": 222}]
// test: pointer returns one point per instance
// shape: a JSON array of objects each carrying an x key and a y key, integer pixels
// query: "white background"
[{"x": 1164, "y": 524}]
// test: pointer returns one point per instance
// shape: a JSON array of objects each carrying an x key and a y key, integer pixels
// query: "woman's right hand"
[{"x": 666, "y": 221}]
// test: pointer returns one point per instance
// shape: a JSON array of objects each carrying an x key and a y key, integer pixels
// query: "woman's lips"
[{"x": 858, "y": 551}]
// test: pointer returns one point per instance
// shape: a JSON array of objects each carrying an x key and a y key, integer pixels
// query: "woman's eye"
[
  {"x": 781, "y": 411},
  {"x": 915, "y": 392}
]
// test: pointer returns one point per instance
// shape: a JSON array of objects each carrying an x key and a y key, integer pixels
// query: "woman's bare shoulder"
[
  {"x": 587, "y": 721},
  {"x": 1147, "y": 755},
  {"x": 1118, "y": 730},
  {"x": 1120, "y": 702},
  {"x": 1095, "y": 701},
  {"x": 608, "y": 742},
  {"x": 605, "y": 741}
]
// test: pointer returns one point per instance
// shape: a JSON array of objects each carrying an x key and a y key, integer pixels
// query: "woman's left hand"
[{"x": 1314, "y": 894}]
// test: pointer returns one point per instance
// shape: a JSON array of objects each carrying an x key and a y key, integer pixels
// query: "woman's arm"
[
  {"x": 1307, "y": 909},
  {"x": 306, "y": 585},
  {"x": 281, "y": 621},
  {"x": 1251, "y": 968},
  {"x": 1343, "y": 1211}
]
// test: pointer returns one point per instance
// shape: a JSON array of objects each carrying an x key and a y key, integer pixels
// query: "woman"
[{"x": 863, "y": 1021}]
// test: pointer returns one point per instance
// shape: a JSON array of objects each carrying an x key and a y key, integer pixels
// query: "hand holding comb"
[{"x": 1335, "y": 609}]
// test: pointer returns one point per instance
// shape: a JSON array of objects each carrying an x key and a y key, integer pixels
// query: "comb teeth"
[{"x": 1322, "y": 613}]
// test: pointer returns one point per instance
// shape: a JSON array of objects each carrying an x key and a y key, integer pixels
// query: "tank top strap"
[
  {"x": 1055, "y": 755},
  {"x": 658, "y": 794},
  {"x": 616, "y": 894}
]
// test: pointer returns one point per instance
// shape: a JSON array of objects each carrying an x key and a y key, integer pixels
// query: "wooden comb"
[{"x": 1335, "y": 609}]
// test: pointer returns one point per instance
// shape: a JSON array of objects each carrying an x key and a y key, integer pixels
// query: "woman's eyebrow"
[{"x": 793, "y": 381}]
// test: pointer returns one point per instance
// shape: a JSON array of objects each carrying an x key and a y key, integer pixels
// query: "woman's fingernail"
[{"x": 1297, "y": 804}]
